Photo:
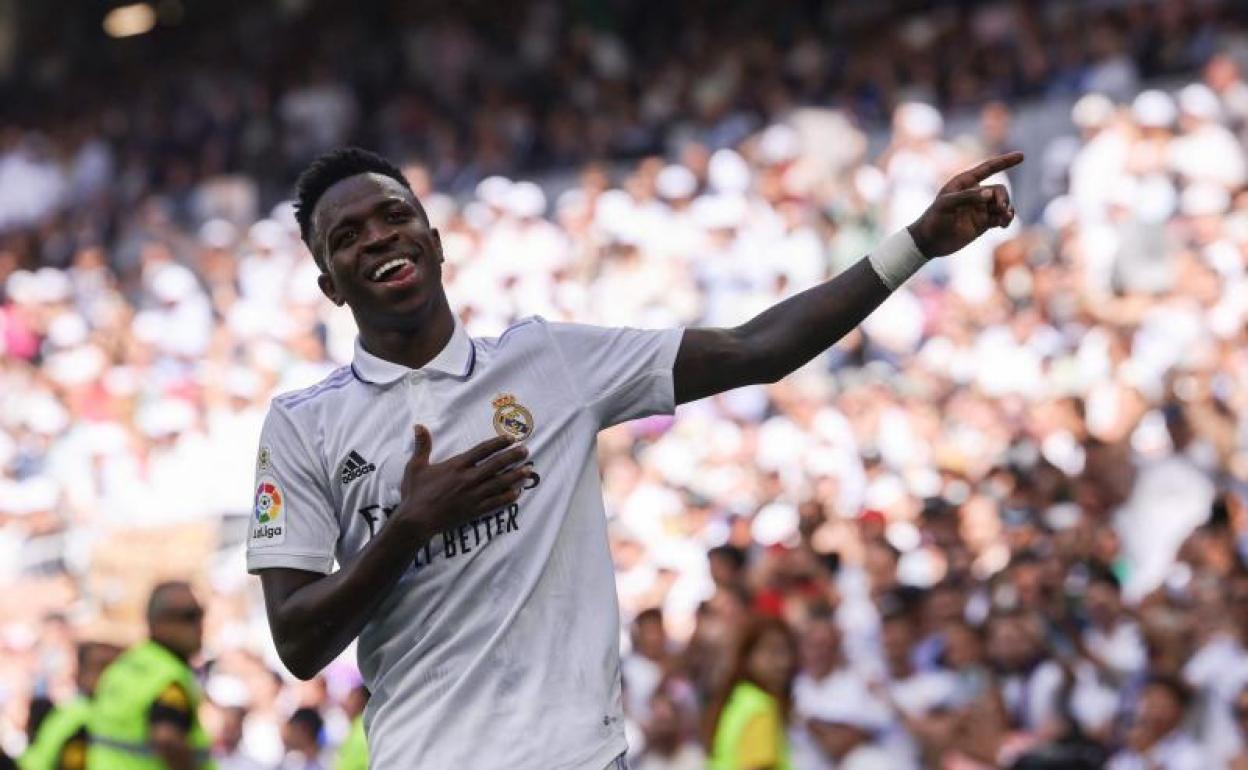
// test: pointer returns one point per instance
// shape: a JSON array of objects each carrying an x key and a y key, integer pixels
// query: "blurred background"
[{"x": 1003, "y": 523}]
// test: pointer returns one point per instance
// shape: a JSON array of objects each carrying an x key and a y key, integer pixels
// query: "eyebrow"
[{"x": 386, "y": 202}]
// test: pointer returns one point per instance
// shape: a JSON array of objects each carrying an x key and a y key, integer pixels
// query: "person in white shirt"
[
  {"x": 475, "y": 571},
  {"x": 1156, "y": 739}
]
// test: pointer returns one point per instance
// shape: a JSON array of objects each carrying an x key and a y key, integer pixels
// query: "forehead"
[{"x": 355, "y": 196}]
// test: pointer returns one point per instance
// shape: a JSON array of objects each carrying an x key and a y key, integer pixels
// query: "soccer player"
[{"x": 455, "y": 482}]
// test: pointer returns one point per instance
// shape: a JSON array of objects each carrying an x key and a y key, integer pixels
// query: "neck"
[
  {"x": 170, "y": 648},
  {"x": 412, "y": 348}
]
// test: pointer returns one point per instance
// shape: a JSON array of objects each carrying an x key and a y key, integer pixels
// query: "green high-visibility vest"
[
  {"x": 62, "y": 724},
  {"x": 127, "y": 689},
  {"x": 746, "y": 703},
  {"x": 353, "y": 754}
]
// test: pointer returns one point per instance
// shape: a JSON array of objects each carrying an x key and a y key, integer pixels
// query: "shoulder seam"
[{"x": 341, "y": 376}]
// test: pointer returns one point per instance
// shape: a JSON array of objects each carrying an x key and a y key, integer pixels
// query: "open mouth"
[{"x": 393, "y": 270}]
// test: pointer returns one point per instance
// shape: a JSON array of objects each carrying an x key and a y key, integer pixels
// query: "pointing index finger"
[{"x": 994, "y": 165}]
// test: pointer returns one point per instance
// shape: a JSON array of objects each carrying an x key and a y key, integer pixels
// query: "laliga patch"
[
  {"x": 511, "y": 418},
  {"x": 268, "y": 516}
]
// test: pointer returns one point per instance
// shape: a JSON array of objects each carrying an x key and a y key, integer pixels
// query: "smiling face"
[{"x": 378, "y": 254}]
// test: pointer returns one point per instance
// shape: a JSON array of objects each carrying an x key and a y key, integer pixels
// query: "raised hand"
[
  {"x": 964, "y": 210},
  {"x": 438, "y": 496}
]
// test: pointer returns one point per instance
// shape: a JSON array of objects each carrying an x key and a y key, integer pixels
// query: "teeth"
[{"x": 387, "y": 266}]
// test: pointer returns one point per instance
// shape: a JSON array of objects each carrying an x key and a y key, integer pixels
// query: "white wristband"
[{"x": 896, "y": 259}]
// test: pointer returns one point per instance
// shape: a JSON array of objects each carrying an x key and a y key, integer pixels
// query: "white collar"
[{"x": 456, "y": 359}]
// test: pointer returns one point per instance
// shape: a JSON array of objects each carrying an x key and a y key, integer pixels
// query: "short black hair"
[
  {"x": 1177, "y": 688},
  {"x": 157, "y": 601},
  {"x": 328, "y": 170},
  {"x": 309, "y": 720}
]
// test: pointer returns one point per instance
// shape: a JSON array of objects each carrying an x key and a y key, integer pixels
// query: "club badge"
[{"x": 511, "y": 419}]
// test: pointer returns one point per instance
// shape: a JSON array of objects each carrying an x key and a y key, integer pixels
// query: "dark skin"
[{"x": 365, "y": 220}]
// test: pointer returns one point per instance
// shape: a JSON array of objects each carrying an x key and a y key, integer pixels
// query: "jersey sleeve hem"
[
  {"x": 303, "y": 561},
  {"x": 663, "y": 372}
]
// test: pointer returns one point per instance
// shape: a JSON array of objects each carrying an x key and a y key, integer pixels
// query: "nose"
[{"x": 379, "y": 237}]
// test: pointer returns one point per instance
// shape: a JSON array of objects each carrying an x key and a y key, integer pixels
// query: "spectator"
[{"x": 747, "y": 724}]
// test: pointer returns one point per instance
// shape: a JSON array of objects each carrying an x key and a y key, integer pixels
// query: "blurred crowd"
[{"x": 1005, "y": 523}]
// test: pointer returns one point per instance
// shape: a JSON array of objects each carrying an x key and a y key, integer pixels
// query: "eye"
[
  {"x": 398, "y": 215},
  {"x": 344, "y": 237}
]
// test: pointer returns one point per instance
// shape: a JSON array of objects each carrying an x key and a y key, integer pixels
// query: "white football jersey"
[{"x": 499, "y": 646}]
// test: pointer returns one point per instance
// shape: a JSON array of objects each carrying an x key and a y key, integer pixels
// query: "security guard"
[
  {"x": 353, "y": 754},
  {"x": 146, "y": 712},
  {"x": 61, "y": 740}
]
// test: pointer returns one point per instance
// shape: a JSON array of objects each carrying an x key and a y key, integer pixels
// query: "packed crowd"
[{"x": 1004, "y": 522}]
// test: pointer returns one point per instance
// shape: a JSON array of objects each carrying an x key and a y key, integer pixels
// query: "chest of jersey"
[{"x": 367, "y": 456}]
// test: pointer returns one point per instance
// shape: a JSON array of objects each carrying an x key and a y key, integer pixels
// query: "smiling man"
[{"x": 455, "y": 482}]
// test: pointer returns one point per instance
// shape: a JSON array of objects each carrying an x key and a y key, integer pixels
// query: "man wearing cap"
[
  {"x": 146, "y": 712},
  {"x": 454, "y": 480}
]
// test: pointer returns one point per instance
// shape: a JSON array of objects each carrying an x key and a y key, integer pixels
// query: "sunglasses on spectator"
[{"x": 185, "y": 614}]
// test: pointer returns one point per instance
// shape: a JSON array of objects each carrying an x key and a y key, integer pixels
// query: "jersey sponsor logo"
[
  {"x": 511, "y": 418},
  {"x": 268, "y": 526},
  {"x": 456, "y": 541},
  {"x": 354, "y": 466}
]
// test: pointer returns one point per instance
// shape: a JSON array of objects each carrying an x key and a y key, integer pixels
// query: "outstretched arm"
[{"x": 787, "y": 335}]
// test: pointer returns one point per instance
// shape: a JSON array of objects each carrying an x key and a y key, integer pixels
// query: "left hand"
[{"x": 963, "y": 210}]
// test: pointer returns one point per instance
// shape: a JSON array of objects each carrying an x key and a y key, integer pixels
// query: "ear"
[
  {"x": 437, "y": 244},
  {"x": 329, "y": 288}
]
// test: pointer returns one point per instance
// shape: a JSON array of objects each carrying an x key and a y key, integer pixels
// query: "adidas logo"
[{"x": 355, "y": 466}]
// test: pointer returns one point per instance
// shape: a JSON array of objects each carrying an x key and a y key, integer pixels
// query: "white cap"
[
  {"x": 525, "y": 200},
  {"x": 52, "y": 285},
  {"x": 1199, "y": 101},
  {"x": 166, "y": 417},
  {"x": 493, "y": 190},
  {"x": 218, "y": 234},
  {"x": 227, "y": 691},
  {"x": 68, "y": 330},
  {"x": 45, "y": 416},
  {"x": 1063, "y": 516},
  {"x": 1092, "y": 111},
  {"x": 779, "y": 144},
  {"x": 719, "y": 212},
  {"x": 20, "y": 287},
  {"x": 1204, "y": 199},
  {"x": 1154, "y": 109},
  {"x": 919, "y": 119},
  {"x": 267, "y": 234},
  {"x": 173, "y": 283},
  {"x": 77, "y": 366},
  {"x": 675, "y": 182},
  {"x": 776, "y": 523},
  {"x": 728, "y": 172}
]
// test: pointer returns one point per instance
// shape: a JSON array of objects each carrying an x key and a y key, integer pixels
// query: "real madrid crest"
[{"x": 511, "y": 419}]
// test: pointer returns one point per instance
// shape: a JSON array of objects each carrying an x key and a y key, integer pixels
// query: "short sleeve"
[
  {"x": 620, "y": 373},
  {"x": 760, "y": 744},
  {"x": 172, "y": 706},
  {"x": 292, "y": 517}
]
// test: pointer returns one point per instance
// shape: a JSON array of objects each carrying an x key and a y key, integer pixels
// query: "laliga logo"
[{"x": 268, "y": 510}]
